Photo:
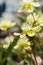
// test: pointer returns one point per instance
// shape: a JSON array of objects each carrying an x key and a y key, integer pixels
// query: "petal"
[
  {"x": 30, "y": 19},
  {"x": 29, "y": 7},
  {"x": 21, "y": 8},
  {"x": 12, "y": 24},
  {"x": 35, "y": 4},
  {"x": 17, "y": 34},
  {"x": 4, "y": 27},
  {"x": 26, "y": 1},
  {"x": 41, "y": 23},
  {"x": 16, "y": 47},
  {"x": 37, "y": 29},
  {"x": 23, "y": 34},
  {"x": 25, "y": 27},
  {"x": 31, "y": 33}
]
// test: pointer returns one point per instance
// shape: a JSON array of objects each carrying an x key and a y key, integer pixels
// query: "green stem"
[
  {"x": 35, "y": 59},
  {"x": 1, "y": 62},
  {"x": 33, "y": 39},
  {"x": 33, "y": 18},
  {"x": 1, "y": 50}
]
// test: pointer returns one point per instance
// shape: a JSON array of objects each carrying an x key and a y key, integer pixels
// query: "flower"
[
  {"x": 23, "y": 43},
  {"x": 5, "y": 24},
  {"x": 27, "y": 29},
  {"x": 40, "y": 21},
  {"x": 30, "y": 30},
  {"x": 7, "y": 41},
  {"x": 28, "y": 6},
  {"x": 30, "y": 19},
  {"x": 25, "y": 26}
]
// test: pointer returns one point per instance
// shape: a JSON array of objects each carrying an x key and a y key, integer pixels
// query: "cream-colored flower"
[
  {"x": 28, "y": 6},
  {"x": 5, "y": 24},
  {"x": 27, "y": 29},
  {"x": 30, "y": 19},
  {"x": 30, "y": 30},
  {"x": 7, "y": 41},
  {"x": 23, "y": 43},
  {"x": 40, "y": 21}
]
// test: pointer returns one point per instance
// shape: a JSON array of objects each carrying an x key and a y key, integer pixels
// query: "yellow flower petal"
[
  {"x": 29, "y": 7},
  {"x": 31, "y": 33},
  {"x": 4, "y": 27},
  {"x": 21, "y": 8}
]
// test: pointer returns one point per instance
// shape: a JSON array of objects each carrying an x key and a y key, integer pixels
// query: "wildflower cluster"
[
  {"x": 24, "y": 41},
  {"x": 32, "y": 26}
]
